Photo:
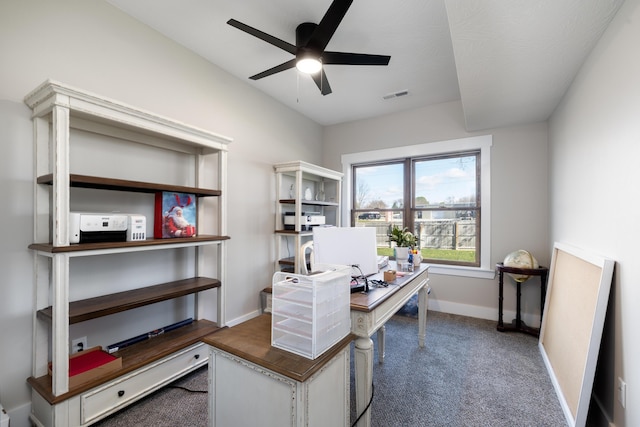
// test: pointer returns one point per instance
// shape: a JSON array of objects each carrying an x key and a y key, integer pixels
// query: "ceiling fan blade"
[
  {"x": 344, "y": 58},
  {"x": 328, "y": 25},
  {"x": 322, "y": 82},
  {"x": 284, "y": 66},
  {"x": 263, "y": 36}
]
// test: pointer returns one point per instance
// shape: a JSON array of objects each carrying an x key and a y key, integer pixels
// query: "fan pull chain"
[{"x": 297, "y": 87}]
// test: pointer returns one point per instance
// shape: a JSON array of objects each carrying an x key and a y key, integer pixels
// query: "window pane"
[
  {"x": 378, "y": 200},
  {"x": 449, "y": 240},
  {"x": 446, "y": 190},
  {"x": 379, "y": 186},
  {"x": 446, "y": 182}
]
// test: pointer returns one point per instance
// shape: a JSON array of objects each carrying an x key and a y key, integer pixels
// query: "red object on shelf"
[
  {"x": 88, "y": 360},
  {"x": 89, "y": 364}
]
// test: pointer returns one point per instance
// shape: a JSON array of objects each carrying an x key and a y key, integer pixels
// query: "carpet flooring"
[{"x": 468, "y": 374}]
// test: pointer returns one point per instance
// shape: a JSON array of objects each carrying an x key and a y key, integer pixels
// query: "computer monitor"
[{"x": 347, "y": 246}]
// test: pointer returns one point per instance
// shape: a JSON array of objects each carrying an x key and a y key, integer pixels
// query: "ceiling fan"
[{"x": 311, "y": 41}]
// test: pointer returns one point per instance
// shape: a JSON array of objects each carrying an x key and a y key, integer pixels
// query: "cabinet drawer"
[{"x": 114, "y": 395}]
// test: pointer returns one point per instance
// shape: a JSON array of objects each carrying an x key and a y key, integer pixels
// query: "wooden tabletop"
[
  {"x": 537, "y": 271},
  {"x": 377, "y": 295},
  {"x": 251, "y": 340}
]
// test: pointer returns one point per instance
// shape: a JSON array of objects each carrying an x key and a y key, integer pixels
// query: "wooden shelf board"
[
  {"x": 287, "y": 261},
  {"x": 48, "y": 247},
  {"x": 83, "y": 310},
  {"x": 292, "y": 260},
  {"x": 134, "y": 357},
  {"x": 86, "y": 181}
]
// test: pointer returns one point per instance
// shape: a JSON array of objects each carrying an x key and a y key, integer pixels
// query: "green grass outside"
[{"x": 438, "y": 254}]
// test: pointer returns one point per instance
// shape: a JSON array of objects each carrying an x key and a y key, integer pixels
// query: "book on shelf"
[
  {"x": 142, "y": 337},
  {"x": 175, "y": 215}
]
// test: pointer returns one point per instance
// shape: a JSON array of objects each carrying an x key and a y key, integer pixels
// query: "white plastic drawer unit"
[
  {"x": 114, "y": 395},
  {"x": 310, "y": 313}
]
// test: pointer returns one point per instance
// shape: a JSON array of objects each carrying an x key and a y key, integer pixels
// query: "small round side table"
[{"x": 518, "y": 324}]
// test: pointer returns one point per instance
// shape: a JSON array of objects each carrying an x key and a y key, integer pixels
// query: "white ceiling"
[{"x": 509, "y": 61}]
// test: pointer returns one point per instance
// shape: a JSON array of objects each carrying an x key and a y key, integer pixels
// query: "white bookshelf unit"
[
  {"x": 60, "y": 114},
  {"x": 303, "y": 189}
]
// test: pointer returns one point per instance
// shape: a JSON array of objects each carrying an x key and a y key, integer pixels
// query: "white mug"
[{"x": 417, "y": 259}]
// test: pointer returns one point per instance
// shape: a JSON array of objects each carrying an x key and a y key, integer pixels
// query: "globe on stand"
[{"x": 520, "y": 259}]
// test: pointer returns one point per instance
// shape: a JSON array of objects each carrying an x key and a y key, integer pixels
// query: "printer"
[
  {"x": 307, "y": 220},
  {"x": 87, "y": 227}
]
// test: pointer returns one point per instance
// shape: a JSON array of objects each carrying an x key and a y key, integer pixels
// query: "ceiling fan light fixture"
[
  {"x": 309, "y": 65},
  {"x": 310, "y": 48}
]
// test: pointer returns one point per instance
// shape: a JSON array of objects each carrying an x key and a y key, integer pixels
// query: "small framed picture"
[{"x": 175, "y": 215}]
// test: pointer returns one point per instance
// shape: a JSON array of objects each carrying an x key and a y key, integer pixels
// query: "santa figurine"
[{"x": 177, "y": 225}]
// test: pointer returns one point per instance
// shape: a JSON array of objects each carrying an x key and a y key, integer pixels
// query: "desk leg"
[
  {"x": 519, "y": 295},
  {"x": 364, "y": 376},
  {"x": 381, "y": 341},
  {"x": 422, "y": 315}
]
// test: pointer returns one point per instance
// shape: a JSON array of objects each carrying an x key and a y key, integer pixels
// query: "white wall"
[
  {"x": 93, "y": 46},
  {"x": 594, "y": 150},
  {"x": 518, "y": 196}
]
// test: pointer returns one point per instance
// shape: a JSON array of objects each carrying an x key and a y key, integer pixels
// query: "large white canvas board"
[{"x": 571, "y": 331}]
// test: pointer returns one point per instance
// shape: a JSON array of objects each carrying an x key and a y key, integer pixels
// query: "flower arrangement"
[{"x": 402, "y": 236}]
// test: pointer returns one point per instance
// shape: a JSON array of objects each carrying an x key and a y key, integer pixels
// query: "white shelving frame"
[
  {"x": 57, "y": 108},
  {"x": 302, "y": 172}
]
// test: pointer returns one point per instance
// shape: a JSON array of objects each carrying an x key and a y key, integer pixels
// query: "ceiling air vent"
[{"x": 396, "y": 94}]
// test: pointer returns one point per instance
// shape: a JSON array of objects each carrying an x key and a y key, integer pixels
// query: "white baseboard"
[
  {"x": 480, "y": 312},
  {"x": 244, "y": 318},
  {"x": 488, "y": 313}
]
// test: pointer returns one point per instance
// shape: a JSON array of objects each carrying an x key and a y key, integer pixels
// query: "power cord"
[
  {"x": 365, "y": 409},
  {"x": 188, "y": 389},
  {"x": 379, "y": 283},
  {"x": 366, "y": 281}
]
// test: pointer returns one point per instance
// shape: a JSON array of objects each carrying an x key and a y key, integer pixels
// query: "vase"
[
  {"x": 401, "y": 254},
  {"x": 308, "y": 195}
]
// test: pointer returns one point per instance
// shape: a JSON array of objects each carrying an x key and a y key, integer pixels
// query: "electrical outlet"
[
  {"x": 78, "y": 344},
  {"x": 622, "y": 392}
]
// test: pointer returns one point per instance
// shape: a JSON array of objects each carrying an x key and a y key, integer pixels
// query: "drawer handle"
[
  {"x": 197, "y": 356},
  {"x": 120, "y": 393}
]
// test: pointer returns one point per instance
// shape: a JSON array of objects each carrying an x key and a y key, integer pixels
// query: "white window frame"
[{"x": 482, "y": 143}]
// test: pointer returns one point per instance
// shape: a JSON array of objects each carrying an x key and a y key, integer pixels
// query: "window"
[{"x": 439, "y": 191}]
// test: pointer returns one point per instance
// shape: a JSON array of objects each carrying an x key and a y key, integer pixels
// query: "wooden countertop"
[
  {"x": 377, "y": 295},
  {"x": 251, "y": 340}
]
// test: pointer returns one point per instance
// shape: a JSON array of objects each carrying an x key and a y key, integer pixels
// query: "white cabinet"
[
  {"x": 252, "y": 383},
  {"x": 306, "y": 195},
  {"x": 123, "y": 144}
]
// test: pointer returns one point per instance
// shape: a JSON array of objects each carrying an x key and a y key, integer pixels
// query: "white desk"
[
  {"x": 252, "y": 383},
  {"x": 369, "y": 312}
]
